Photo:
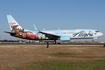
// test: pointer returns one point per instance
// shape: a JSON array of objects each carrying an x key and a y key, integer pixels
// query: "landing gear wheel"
[{"x": 55, "y": 42}]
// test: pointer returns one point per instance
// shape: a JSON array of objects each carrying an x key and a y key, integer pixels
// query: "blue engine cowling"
[{"x": 65, "y": 38}]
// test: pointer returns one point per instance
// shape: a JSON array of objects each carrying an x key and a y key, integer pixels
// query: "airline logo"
[
  {"x": 83, "y": 34},
  {"x": 12, "y": 23}
]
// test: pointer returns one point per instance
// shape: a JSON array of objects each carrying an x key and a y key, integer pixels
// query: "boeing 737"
[{"x": 62, "y": 35}]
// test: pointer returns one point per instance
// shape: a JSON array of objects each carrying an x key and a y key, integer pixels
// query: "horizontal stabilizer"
[{"x": 7, "y": 32}]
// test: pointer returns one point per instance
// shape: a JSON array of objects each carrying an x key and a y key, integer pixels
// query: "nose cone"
[{"x": 100, "y": 34}]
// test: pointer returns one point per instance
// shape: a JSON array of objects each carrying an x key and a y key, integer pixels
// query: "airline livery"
[{"x": 62, "y": 35}]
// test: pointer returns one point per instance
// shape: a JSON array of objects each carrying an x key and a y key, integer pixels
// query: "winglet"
[
  {"x": 36, "y": 29},
  {"x": 43, "y": 29}
]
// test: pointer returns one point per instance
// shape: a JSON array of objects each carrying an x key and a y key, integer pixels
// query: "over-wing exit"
[{"x": 62, "y": 35}]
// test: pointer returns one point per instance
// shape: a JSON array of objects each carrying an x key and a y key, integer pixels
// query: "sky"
[{"x": 53, "y": 15}]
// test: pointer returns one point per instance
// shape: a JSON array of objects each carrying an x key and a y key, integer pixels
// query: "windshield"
[{"x": 97, "y": 31}]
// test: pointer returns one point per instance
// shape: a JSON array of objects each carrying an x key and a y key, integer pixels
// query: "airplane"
[{"x": 62, "y": 35}]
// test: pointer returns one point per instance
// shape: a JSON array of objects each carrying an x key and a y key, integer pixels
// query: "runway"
[{"x": 42, "y": 44}]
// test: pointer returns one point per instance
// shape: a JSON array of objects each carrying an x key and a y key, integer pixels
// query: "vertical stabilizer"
[{"x": 13, "y": 23}]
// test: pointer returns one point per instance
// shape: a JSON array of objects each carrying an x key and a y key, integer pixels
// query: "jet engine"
[{"x": 65, "y": 38}]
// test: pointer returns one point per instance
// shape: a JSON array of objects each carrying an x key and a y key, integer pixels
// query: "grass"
[
  {"x": 54, "y": 58},
  {"x": 61, "y": 65},
  {"x": 61, "y": 54},
  {"x": 76, "y": 55}
]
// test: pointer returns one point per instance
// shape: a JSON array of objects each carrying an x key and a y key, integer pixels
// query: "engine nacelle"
[{"x": 65, "y": 38}]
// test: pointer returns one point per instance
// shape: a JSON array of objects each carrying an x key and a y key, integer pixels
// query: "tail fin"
[{"x": 13, "y": 23}]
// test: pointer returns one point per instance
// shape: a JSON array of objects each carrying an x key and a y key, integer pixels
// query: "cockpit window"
[{"x": 97, "y": 31}]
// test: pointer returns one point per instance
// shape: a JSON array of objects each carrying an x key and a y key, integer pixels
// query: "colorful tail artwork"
[
  {"x": 18, "y": 31},
  {"x": 12, "y": 22}
]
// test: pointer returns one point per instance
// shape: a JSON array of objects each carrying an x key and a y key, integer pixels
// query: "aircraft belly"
[{"x": 81, "y": 37}]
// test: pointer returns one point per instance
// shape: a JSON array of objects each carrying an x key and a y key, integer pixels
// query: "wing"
[
  {"x": 50, "y": 35},
  {"x": 47, "y": 34}
]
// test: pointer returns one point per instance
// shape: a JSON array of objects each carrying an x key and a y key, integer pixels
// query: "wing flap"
[{"x": 50, "y": 36}]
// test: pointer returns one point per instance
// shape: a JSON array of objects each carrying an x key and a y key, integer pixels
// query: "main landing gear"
[
  {"x": 53, "y": 43},
  {"x": 48, "y": 43},
  {"x": 56, "y": 42}
]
